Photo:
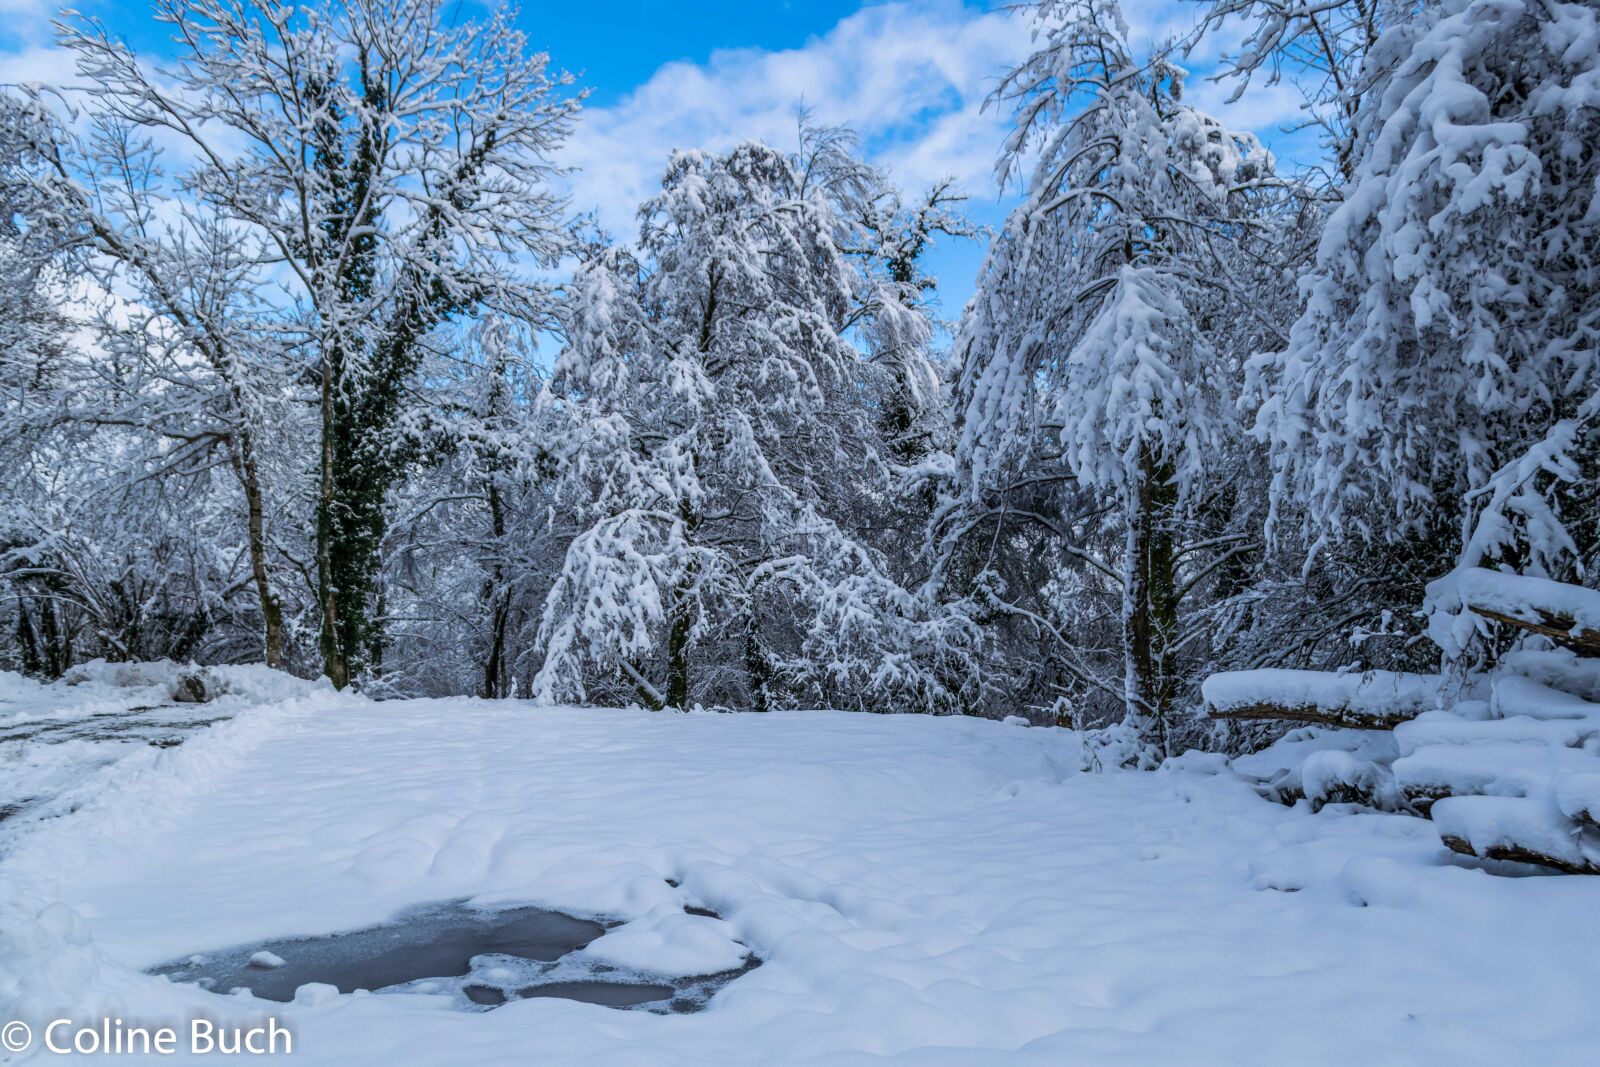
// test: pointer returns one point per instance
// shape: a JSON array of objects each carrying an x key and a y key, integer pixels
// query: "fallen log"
[
  {"x": 1523, "y": 829},
  {"x": 1422, "y": 800},
  {"x": 1562, "y": 629},
  {"x": 1363, "y": 700},
  {"x": 1567, "y": 614},
  {"x": 1312, "y": 713},
  {"x": 1519, "y": 854}
]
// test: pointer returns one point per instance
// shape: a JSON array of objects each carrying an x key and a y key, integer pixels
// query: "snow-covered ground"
[
  {"x": 60, "y": 743},
  {"x": 922, "y": 891}
]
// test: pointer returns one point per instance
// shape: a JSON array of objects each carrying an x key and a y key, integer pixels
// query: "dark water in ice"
[
  {"x": 480, "y": 958},
  {"x": 436, "y": 944}
]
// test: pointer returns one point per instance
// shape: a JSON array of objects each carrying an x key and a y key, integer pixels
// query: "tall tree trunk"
[
  {"x": 271, "y": 606},
  {"x": 57, "y": 639},
  {"x": 334, "y": 664},
  {"x": 376, "y": 635},
  {"x": 682, "y": 623},
  {"x": 678, "y": 655},
  {"x": 1150, "y": 603},
  {"x": 756, "y": 665},
  {"x": 678, "y": 647},
  {"x": 495, "y": 681},
  {"x": 498, "y": 600},
  {"x": 27, "y": 644}
]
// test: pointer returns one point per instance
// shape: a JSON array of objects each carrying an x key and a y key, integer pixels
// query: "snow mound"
[
  {"x": 14, "y": 687},
  {"x": 48, "y": 961},
  {"x": 163, "y": 680},
  {"x": 1332, "y": 776},
  {"x": 1279, "y": 769},
  {"x": 99, "y": 673},
  {"x": 666, "y": 940},
  {"x": 255, "y": 683}
]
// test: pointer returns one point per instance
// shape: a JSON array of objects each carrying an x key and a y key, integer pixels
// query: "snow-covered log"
[
  {"x": 1516, "y": 696},
  {"x": 1443, "y": 729},
  {"x": 1525, "y": 829},
  {"x": 1371, "y": 700},
  {"x": 1567, "y": 614},
  {"x": 1497, "y": 768},
  {"x": 1578, "y": 797},
  {"x": 1333, "y": 776}
]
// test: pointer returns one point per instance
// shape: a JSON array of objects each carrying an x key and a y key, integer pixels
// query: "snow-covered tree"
[
  {"x": 34, "y": 237},
  {"x": 197, "y": 361},
  {"x": 475, "y": 543},
  {"x": 726, "y": 436},
  {"x": 1100, "y": 352},
  {"x": 1444, "y": 370},
  {"x": 385, "y": 162}
]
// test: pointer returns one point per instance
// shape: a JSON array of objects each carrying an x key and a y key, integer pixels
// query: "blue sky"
[{"x": 910, "y": 75}]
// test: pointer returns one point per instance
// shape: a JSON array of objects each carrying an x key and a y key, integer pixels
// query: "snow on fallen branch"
[
  {"x": 1567, "y": 614},
  {"x": 1371, "y": 700},
  {"x": 1524, "y": 829}
]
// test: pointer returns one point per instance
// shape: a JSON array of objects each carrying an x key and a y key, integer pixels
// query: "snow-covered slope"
[
  {"x": 922, "y": 890},
  {"x": 63, "y": 741}
]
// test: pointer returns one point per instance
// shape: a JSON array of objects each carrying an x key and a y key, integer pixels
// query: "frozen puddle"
[{"x": 479, "y": 958}]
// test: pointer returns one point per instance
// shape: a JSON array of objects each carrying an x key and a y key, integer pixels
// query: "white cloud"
[
  {"x": 43, "y": 64},
  {"x": 24, "y": 30},
  {"x": 28, "y": 51},
  {"x": 910, "y": 76},
  {"x": 38, "y": 9}
]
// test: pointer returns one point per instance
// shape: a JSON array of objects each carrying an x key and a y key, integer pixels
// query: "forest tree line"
[{"x": 306, "y": 361}]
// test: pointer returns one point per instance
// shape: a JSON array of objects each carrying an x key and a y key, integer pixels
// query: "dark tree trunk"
[
  {"x": 1150, "y": 605},
  {"x": 27, "y": 644},
  {"x": 678, "y": 657},
  {"x": 56, "y": 639},
  {"x": 334, "y": 664},
  {"x": 682, "y": 623},
  {"x": 498, "y": 600},
  {"x": 756, "y": 665},
  {"x": 495, "y": 680},
  {"x": 271, "y": 606}
]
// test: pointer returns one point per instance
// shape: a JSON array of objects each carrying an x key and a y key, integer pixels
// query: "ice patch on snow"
[{"x": 667, "y": 961}]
